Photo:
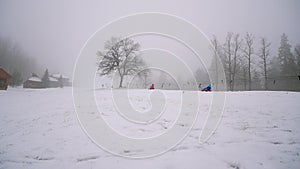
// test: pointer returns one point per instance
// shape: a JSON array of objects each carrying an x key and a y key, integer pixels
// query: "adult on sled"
[{"x": 207, "y": 89}]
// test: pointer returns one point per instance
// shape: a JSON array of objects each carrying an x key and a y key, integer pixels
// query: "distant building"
[
  {"x": 65, "y": 81},
  {"x": 33, "y": 82},
  {"x": 53, "y": 82},
  {"x": 4, "y": 79}
]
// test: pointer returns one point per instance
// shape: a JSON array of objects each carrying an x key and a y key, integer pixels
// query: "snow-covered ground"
[{"x": 40, "y": 129}]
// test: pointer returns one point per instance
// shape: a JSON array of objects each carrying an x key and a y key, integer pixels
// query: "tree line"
[
  {"x": 253, "y": 67},
  {"x": 247, "y": 66},
  {"x": 15, "y": 61}
]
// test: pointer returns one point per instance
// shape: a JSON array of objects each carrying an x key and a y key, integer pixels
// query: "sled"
[{"x": 206, "y": 90}]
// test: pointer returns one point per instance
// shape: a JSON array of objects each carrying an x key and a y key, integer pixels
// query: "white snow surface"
[{"x": 39, "y": 129}]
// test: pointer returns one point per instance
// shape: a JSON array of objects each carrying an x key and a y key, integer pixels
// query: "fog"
[{"x": 53, "y": 32}]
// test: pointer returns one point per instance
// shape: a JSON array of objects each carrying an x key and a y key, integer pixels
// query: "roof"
[
  {"x": 35, "y": 79},
  {"x": 5, "y": 73},
  {"x": 52, "y": 79},
  {"x": 57, "y": 76}
]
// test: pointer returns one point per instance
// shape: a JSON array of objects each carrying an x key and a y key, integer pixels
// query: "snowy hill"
[{"x": 40, "y": 129}]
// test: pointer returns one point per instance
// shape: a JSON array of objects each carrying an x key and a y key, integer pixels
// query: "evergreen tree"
[
  {"x": 60, "y": 80},
  {"x": 297, "y": 56},
  {"x": 286, "y": 58},
  {"x": 45, "y": 79},
  {"x": 16, "y": 79}
]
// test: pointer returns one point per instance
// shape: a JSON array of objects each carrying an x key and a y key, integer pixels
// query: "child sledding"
[
  {"x": 152, "y": 87},
  {"x": 207, "y": 89}
]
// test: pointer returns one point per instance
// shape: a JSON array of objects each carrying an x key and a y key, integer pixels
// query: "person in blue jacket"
[{"x": 207, "y": 89}]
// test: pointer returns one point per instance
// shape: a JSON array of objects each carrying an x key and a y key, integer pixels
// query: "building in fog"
[
  {"x": 53, "y": 82},
  {"x": 4, "y": 79},
  {"x": 64, "y": 80},
  {"x": 33, "y": 82}
]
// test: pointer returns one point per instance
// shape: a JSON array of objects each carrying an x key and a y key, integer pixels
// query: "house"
[
  {"x": 65, "y": 81},
  {"x": 33, "y": 82},
  {"x": 4, "y": 79},
  {"x": 53, "y": 82}
]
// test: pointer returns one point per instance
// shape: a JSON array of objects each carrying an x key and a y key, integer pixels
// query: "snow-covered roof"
[
  {"x": 52, "y": 79},
  {"x": 35, "y": 79},
  {"x": 57, "y": 76}
]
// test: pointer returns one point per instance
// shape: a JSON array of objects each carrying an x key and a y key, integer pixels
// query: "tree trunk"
[
  {"x": 265, "y": 72},
  {"x": 234, "y": 64},
  {"x": 217, "y": 78},
  {"x": 264, "y": 57},
  {"x": 121, "y": 78},
  {"x": 230, "y": 71},
  {"x": 266, "y": 82},
  {"x": 121, "y": 81},
  {"x": 233, "y": 73},
  {"x": 245, "y": 78},
  {"x": 249, "y": 71},
  {"x": 230, "y": 75}
]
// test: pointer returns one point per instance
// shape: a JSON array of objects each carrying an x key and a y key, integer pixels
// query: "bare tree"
[
  {"x": 237, "y": 42},
  {"x": 144, "y": 76},
  {"x": 243, "y": 71},
  {"x": 231, "y": 54},
  {"x": 248, "y": 51},
  {"x": 162, "y": 79},
  {"x": 264, "y": 53},
  {"x": 228, "y": 58},
  {"x": 121, "y": 55},
  {"x": 217, "y": 52}
]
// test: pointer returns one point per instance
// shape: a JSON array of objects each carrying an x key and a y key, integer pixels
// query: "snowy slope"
[{"x": 39, "y": 129}]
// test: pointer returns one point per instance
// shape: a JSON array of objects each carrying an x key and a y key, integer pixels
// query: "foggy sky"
[{"x": 54, "y": 31}]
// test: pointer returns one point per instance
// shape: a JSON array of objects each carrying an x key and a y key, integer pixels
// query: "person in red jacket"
[{"x": 152, "y": 87}]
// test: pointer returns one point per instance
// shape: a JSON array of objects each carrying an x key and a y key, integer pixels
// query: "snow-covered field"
[{"x": 40, "y": 129}]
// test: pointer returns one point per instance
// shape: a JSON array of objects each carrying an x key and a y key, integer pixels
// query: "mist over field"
[
  {"x": 52, "y": 33},
  {"x": 150, "y": 84}
]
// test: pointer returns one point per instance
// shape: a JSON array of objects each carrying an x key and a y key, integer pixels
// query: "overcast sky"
[{"x": 54, "y": 31}]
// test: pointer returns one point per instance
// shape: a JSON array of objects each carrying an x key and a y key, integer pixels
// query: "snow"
[
  {"x": 35, "y": 79},
  {"x": 40, "y": 129}
]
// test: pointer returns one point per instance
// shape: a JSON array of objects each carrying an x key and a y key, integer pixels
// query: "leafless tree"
[
  {"x": 217, "y": 52},
  {"x": 248, "y": 51},
  {"x": 237, "y": 42},
  {"x": 228, "y": 58},
  {"x": 144, "y": 76},
  {"x": 264, "y": 53},
  {"x": 243, "y": 71},
  {"x": 231, "y": 50},
  {"x": 121, "y": 55}
]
